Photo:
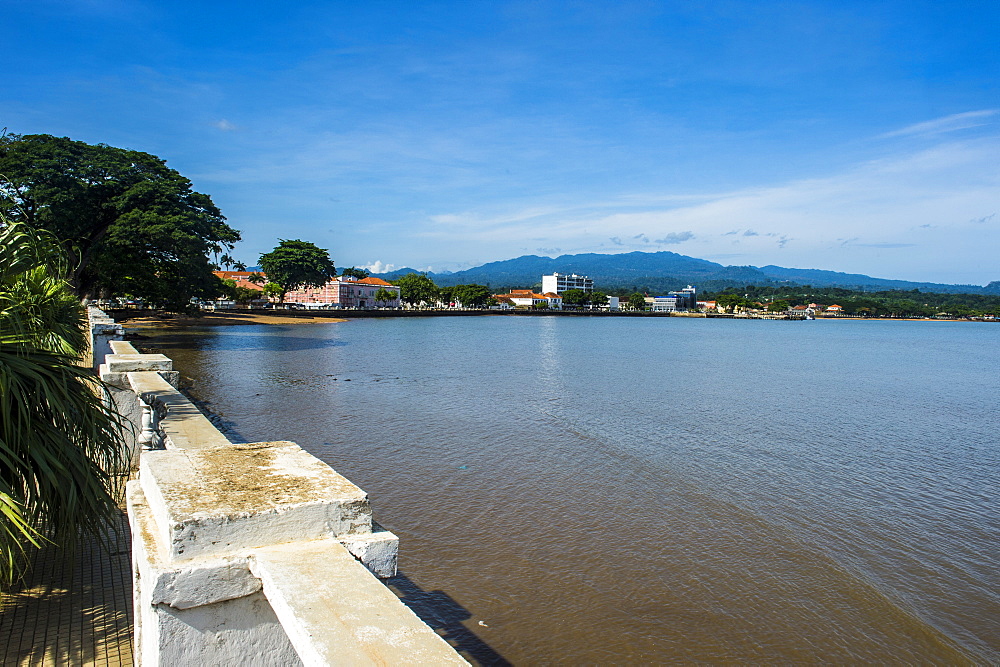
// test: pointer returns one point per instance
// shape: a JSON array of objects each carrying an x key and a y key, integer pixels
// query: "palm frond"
[{"x": 62, "y": 457}]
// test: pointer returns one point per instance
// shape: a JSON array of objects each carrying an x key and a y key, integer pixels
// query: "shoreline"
[
  {"x": 147, "y": 320},
  {"x": 216, "y": 319}
]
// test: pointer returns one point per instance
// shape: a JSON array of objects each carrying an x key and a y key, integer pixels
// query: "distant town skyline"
[{"x": 847, "y": 136}]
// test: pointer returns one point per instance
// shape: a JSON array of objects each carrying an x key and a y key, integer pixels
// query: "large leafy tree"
[
  {"x": 131, "y": 224},
  {"x": 384, "y": 296},
  {"x": 294, "y": 264},
  {"x": 597, "y": 299},
  {"x": 61, "y": 455},
  {"x": 574, "y": 297},
  {"x": 472, "y": 295},
  {"x": 417, "y": 288}
]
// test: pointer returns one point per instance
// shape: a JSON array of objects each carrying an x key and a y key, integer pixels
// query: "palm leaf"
[{"x": 62, "y": 458}]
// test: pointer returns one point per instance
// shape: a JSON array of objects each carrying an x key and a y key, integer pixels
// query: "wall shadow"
[{"x": 444, "y": 615}]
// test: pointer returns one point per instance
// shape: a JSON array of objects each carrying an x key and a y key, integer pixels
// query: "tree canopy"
[
  {"x": 417, "y": 288},
  {"x": 131, "y": 224},
  {"x": 354, "y": 272},
  {"x": 574, "y": 297},
  {"x": 637, "y": 301},
  {"x": 294, "y": 264},
  {"x": 472, "y": 295},
  {"x": 384, "y": 296}
]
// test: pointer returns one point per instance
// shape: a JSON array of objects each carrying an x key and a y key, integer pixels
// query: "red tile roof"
[{"x": 241, "y": 279}]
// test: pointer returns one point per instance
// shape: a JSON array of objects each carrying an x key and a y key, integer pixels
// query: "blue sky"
[{"x": 850, "y": 136}]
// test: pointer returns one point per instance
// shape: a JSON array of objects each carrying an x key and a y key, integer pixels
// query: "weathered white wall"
[{"x": 251, "y": 554}]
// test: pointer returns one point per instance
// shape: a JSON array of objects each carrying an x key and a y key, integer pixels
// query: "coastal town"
[
  {"x": 558, "y": 292},
  {"x": 499, "y": 333}
]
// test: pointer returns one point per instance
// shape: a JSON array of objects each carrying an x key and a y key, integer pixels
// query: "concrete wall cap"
[
  {"x": 221, "y": 499},
  {"x": 124, "y": 363}
]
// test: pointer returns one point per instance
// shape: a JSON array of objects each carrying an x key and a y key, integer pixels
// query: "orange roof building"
[
  {"x": 346, "y": 292},
  {"x": 240, "y": 277}
]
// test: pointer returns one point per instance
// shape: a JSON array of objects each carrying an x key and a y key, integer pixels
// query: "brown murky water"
[{"x": 581, "y": 491}]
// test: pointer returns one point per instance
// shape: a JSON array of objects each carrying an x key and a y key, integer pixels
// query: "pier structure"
[{"x": 255, "y": 553}]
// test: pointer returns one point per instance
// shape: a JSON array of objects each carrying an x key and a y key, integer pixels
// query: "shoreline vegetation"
[{"x": 142, "y": 320}]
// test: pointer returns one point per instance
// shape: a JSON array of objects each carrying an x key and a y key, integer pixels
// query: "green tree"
[
  {"x": 257, "y": 278},
  {"x": 273, "y": 291},
  {"x": 731, "y": 302},
  {"x": 239, "y": 266},
  {"x": 383, "y": 295},
  {"x": 131, "y": 224},
  {"x": 637, "y": 301},
  {"x": 778, "y": 306},
  {"x": 61, "y": 454},
  {"x": 294, "y": 264},
  {"x": 472, "y": 295},
  {"x": 574, "y": 297},
  {"x": 241, "y": 295},
  {"x": 597, "y": 299},
  {"x": 417, "y": 288},
  {"x": 446, "y": 295},
  {"x": 353, "y": 272}
]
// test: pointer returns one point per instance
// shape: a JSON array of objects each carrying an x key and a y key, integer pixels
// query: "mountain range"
[{"x": 662, "y": 271}]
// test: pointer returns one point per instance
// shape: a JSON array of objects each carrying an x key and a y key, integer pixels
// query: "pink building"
[{"x": 346, "y": 292}]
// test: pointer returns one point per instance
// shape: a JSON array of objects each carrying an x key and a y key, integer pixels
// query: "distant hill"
[{"x": 663, "y": 271}]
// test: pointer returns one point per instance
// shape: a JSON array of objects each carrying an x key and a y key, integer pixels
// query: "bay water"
[{"x": 574, "y": 490}]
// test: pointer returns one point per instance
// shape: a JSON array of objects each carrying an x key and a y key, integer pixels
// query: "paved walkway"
[{"x": 72, "y": 611}]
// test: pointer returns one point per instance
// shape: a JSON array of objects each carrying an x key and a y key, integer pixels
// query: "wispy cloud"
[
  {"x": 674, "y": 238},
  {"x": 888, "y": 245},
  {"x": 958, "y": 121},
  {"x": 879, "y": 205},
  {"x": 224, "y": 125}
]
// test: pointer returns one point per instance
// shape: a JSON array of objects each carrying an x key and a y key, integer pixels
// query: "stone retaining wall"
[{"x": 248, "y": 553}]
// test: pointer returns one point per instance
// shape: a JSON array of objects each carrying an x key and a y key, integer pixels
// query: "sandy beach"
[{"x": 228, "y": 318}]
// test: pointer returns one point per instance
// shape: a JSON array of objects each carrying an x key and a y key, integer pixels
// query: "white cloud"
[
  {"x": 378, "y": 267},
  {"x": 942, "y": 191},
  {"x": 958, "y": 121},
  {"x": 224, "y": 125}
]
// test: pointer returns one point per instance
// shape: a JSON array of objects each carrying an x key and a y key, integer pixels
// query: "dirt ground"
[{"x": 227, "y": 318}]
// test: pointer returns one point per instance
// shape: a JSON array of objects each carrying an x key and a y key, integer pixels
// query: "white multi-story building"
[{"x": 560, "y": 282}]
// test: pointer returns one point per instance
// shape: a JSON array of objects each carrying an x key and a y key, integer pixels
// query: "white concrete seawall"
[{"x": 252, "y": 553}]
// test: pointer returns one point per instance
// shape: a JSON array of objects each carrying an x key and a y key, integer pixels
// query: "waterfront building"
[
  {"x": 241, "y": 278},
  {"x": 560, "y": 282},
  {"x": 685, "y": 299},
  {"x": 345, "y": 292},
  {"x": 525, "y": 298}
]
